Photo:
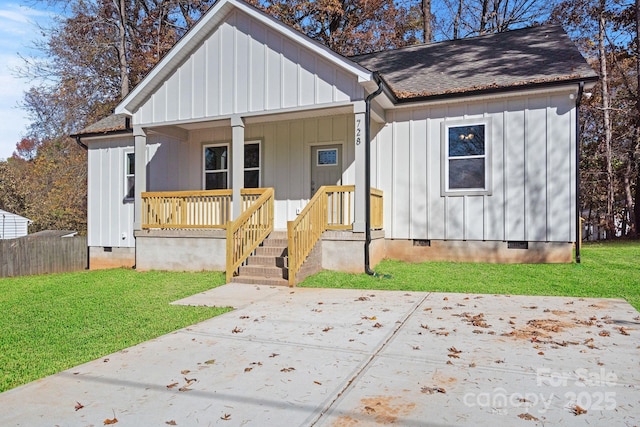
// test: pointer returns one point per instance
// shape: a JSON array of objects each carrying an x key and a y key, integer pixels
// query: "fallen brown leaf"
[
  {"x": 185, "y": 372},
  {"x": 622, "y": 330},
  {"x": 274, "y": 354},
  {"x": 108, "y": 421},
  {"x": 377, "y": 325},
  {"x": 171, "y": 423},
  {"x": 454, "y": 350},
  {"x": 445, "y": 299},
  {"x": 248, "y": 369},
  {"x": 577, "y": 410},
  {"x": 287, "y": 369},
  {"x": 432, "y": 390},
  {"x": 424, "y": 326},
  {"x": 369, "y": 409},
  {"x": 210, "y": 362},
  {"x": 78, "y": 406},
  {"x": 226, "y": 417},
  {"x": 453, "y": 356},
  {"x": 237, "y": 330},
  {"x": 527, "y": 416},
  {"x": 449, "y": 362},
  {"x": 172, "y": 385},
  {"x": 327, "y": 329},
  {"x": 244, "y": 317},
  {"x": 317, "y": 382},
  {"x": 369, "y": 318},
  {"x": 541, "y": 353},
  {"x": 363, "y": 299},
  {"x": 604, "y": 333}
]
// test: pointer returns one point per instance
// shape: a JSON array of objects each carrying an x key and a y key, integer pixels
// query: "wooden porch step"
[
  {"x": 275, "y": 242},
  {"x": 263, "y": 271},
  {"x": 270, "y": 251},
  {"x": 268, "y": 281},
  {"x": 268, "y": 261}
]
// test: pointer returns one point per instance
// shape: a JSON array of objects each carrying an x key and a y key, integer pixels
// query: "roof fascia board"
[{"x": 194, "y": 36}]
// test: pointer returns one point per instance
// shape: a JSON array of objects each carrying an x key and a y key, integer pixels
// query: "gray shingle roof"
[
  {"x": 110, "y": 124},
  {"x": 511, "y": 59}
]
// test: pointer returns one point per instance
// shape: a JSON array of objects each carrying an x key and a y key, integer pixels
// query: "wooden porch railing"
[
  {"x": 186, "y": 209},
  {"x": 377, "y": 217},
  {"x": 192, "y": 209},
  {"x": 246, "y": 232}
]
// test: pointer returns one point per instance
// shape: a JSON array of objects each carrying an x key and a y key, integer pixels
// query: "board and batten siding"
[
  {"x": 109, "y": 216},
  {"x": 245, "y": 67},
  {"x": 532, "y": 172}
]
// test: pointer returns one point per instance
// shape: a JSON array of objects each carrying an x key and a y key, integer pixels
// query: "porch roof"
[{"x": 513, "y": 59}]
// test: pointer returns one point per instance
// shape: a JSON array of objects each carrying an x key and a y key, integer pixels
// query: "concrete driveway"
[{"x": 321, "y": 357}]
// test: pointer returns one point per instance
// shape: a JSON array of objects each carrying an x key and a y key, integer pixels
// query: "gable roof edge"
[{"x": 199, "y": 32}]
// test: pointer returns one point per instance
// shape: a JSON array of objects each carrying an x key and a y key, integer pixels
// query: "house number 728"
[{"x": 358, "y": 131}]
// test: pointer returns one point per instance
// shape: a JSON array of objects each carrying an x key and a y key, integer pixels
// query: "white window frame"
[
  {"x": 204, "y": 160},
  {"x": 128, "y": 175},
  {"x": 445, "y": 190},
  {"x": 229, "y": 161}
]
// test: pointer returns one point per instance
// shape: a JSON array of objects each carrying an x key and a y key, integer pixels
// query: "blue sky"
[{"x": 18, "y": 30}]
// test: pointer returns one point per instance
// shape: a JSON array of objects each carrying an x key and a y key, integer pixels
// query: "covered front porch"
[{"x": 195, "y": 230}]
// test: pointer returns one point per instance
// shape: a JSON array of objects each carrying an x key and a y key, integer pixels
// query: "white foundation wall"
[{"x": 532, "y": 171}]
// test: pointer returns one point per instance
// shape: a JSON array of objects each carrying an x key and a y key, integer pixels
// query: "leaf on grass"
[
  {"x": 432, "y": 390},
  {"x": 172, "y": 385},
  {"x": 527, "y": 416},
  {"x": 108, "y": 421},
  {"x": 578, "y": 410},
  {"x": 171, "y": 423},
  {"x": 210, "y": 362},
  {"x": 226, "y": 417},
  {"x": 287, "y": 369},
  {"x": 237, "y": 330}
]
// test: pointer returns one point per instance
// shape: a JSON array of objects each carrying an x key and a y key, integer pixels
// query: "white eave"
[{"x": 205, "y": 26}]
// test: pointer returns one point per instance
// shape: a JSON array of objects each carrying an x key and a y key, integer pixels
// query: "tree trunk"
[
  {"x": 456, "y": 21},
  {"x": 426, "y": 20},
  {"x": 606, "y": 119},
  {"x": 637, "y": 148},
  {"x": 484, "y": 16},
  {"x": 122, "y": 48}
]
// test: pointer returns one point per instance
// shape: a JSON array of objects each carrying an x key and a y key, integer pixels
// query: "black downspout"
[
  {"x": 578, "y": 146},
  {"x": 80, "y": 143},
  {"x": 84, "y": 146},
  {"x": 367, "y": 173}
]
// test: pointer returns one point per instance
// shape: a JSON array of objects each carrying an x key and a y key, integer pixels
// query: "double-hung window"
[
  {"x": 466, "y": 166},
  {"x": 217, "y": 165},
  {"x": 129, "y": 175}
]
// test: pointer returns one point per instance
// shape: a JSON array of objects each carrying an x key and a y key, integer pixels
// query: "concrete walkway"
[{"x": 321, "y": 357}]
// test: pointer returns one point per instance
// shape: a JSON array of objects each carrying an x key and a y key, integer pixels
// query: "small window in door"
[{"x": 327, "y": 157}]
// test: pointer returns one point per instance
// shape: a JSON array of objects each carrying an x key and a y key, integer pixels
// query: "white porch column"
[
  {"x": 140, "y": 177},
  {"x": 360, "y": 193},
  {"x": 237, "y": 163}
]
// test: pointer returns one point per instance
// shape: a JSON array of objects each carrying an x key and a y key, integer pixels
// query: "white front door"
[{"x": 326, "y": 166}]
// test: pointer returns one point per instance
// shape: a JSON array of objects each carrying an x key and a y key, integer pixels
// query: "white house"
[
  {"x": 13, "y": 226},
  {"x": 460, "y": 150}
]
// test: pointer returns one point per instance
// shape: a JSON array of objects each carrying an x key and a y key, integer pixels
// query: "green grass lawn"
[
  {"x": 610, "y": 270},
  {"x": 53, "y": 322}
]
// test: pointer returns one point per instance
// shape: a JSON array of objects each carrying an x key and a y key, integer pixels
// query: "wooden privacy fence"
[{"x": 42, "y": 255}]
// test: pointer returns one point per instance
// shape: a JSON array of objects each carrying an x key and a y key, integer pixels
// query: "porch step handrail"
[
  {"x": 329, "y": 209},
  {"x": 249, "y": 230},
  {"x": 186, "y": 209}
]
